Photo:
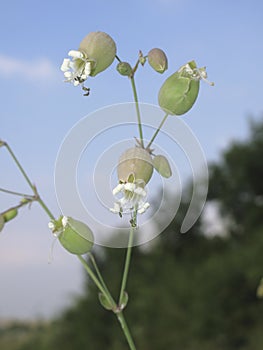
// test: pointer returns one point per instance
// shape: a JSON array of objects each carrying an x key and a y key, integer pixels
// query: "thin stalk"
[
  {"x": 157, "y": 131},
  {"x": 127, "y": 261},
  {"x": 103, "y": 288},
  {"x": 126, "y": 330},
  {"x": 27, "y": 196},
  {"x": 97, "y": 282},
  {"x": 137, "y": 109},
  {"x": 31, "y": 185},
  {"x": 92, "y": 259}
]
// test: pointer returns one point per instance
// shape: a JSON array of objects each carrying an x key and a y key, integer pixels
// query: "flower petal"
[
  {"x": 116, "y": 208},
  {"x": 65, "y": 65},
  {"x": 130, "y": 186},
  {"x": 144, "y": 208},
  {"x": 75, "y": 54},
  {"x": 87, "y": 69},
  {"x": 68, "y": 75},
  {"x": 118, "y": 189},
  {"x": 64, "y": 221},
  {"x": 140, "y": 191},
  {"x": 51, "y": 225}
]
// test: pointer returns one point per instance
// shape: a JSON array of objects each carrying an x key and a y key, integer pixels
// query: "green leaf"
[
  {"x": 124, "y": 300},
  {"x": 105, "y": 302}
]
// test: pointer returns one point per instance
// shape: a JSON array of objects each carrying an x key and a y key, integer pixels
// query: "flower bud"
[
  {"x": 9, "y": 214},
  {"x": 162, "y": 165},
  {"x": 100, "y": 48},
  {"x": 179, "y": 92},
  {"x": 76, "y": 237},
  {"x": 2, "y": 222},
  {"x": 124, "y": 68},
  {"x": 158, "y": 60},
  {"x": 135, "y": 164}
]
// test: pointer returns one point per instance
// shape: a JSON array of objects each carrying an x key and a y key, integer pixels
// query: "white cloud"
[{"x": 40, "y": 69}]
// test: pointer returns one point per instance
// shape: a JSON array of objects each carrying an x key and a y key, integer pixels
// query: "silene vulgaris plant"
[{"x": 96, "y": 52}]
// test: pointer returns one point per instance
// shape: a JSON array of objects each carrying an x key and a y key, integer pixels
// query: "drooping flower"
[
  {"x": 134, "y": 198},
  {"x": 77, "y": 70},
  {"x": 96, "y": 53},
  {"x": 135, "y": 170},
  {"x": 75, "y": 236},
  {"x": 179, "y": 92}
]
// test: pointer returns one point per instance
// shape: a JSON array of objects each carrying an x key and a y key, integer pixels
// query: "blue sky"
[{"x": 38, "y": 109}]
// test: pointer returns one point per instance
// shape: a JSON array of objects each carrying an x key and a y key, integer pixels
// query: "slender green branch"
[
  {"x": 93, "y": 261},
  {"x": 127, "y": 260},
  {"x": 27, "y": 196},
  {"x": 126, "y": 330},
  {"x": 157, "y": 131},
  {"x": 31, "y": 185},
  {"x": 97, "y": 282},
  {"x": 137, "y": 109}
]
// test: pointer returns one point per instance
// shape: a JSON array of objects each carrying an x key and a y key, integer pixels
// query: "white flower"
[
  {"x": 196, "y": 73},
  {"x": 51, "y": 225},
  {"x": 64, "y": 221},
  {"x": 78, "y": 69},
  {"x": 134, "y": 195}
]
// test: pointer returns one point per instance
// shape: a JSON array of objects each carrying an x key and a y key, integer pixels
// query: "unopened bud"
[
  {"x": 162, "y": 165},
  {"x": 9, "y": 214},
  {"x": 124, "y": 68},
  {"x": 158, "y": 60},
  {"x": 135, "y": 164},
  {"x": 99, "y": 48}
]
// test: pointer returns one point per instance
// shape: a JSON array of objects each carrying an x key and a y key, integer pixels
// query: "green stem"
[
  {"x": 157, "y": 131},
  {"x": 92, "y": 259},
  {"x": 127, "y": 261},
  {"x": 28, "y": 196},
  {"x": 33, "y": 187},
  {"x": 97, "y": 282},
  {"x": 137, "y": 109},
  {"x": 126, "y": 330}
]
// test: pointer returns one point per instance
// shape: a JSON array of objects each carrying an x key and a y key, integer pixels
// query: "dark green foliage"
[{"x": 236, "y": 182}]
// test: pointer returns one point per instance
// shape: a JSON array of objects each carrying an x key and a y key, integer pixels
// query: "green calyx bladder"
[
  {"x": 100, "y": 49},
  {"x": 179, "y": 92},
  {"x": 136, "y": 164},
  {"x": 76, "y": 237}
]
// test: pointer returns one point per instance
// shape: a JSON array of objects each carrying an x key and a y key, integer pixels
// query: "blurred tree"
[{"x": 236, "y": 181}]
